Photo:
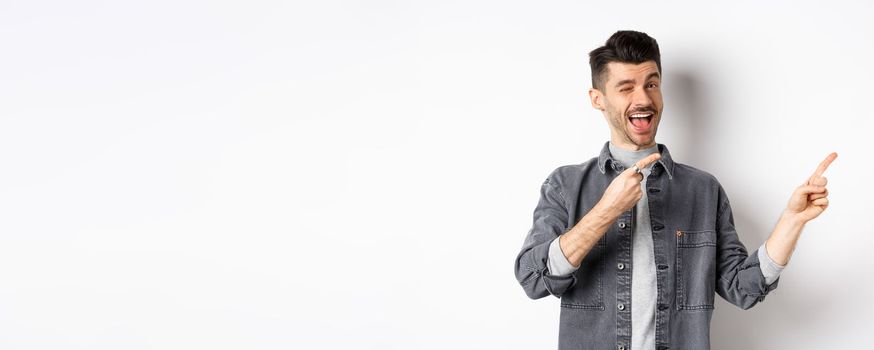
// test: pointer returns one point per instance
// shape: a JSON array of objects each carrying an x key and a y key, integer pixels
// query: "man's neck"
[
  {"x": 627, "y": 145},
  {"x": 628, "y": 157}
]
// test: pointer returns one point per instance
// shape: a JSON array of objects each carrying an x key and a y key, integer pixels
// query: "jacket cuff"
[
  {"x": 760, "y": 288},
  {"x": 557, "y": 285}
]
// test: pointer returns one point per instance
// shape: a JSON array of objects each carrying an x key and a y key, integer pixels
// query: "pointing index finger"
[
  {"x": 824, "y": 164},
  {"x": 645, "y": 162}
]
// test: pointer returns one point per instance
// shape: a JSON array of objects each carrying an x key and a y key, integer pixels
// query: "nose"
[{"x": 641, "y": 99}]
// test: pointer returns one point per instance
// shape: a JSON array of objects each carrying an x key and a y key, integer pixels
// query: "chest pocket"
[
  {"x": 696, "y": 269},
  {"x": 588, "y": 292}
]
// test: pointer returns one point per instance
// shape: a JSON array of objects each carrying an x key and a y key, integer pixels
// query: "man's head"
[{"x": 626, "y": 87}]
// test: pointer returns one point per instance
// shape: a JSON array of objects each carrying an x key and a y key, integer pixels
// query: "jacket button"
[
  {"x": 622, "y": 224},
  {"x": 620, "y": 306},
  {"x": 621, "y": 347},
  {"x": 620, "y": 266}
]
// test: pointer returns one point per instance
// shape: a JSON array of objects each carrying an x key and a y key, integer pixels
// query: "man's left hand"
[{"x": 811, "y": 198}]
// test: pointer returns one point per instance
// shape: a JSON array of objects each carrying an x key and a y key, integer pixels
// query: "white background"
[{"x": 350, "y": 174}]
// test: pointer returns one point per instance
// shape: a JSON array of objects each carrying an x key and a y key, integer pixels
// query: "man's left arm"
[
  {"x": 808, "y": 201},
  {"x": 740, "y": 278},
  {"x": 744, "y": 279}
]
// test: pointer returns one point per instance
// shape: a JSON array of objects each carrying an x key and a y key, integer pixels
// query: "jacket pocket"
[
  {"x": 588, "y": 292},
  {"x": 696, "y": 269}
]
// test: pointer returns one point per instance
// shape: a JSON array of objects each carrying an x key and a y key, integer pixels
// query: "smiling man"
[{"x": 635, "y": 244}]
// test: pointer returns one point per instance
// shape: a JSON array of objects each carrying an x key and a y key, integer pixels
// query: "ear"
[{"x": 597, "y": 99}]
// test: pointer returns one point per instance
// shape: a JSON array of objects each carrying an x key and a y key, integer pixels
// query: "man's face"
[{"x": 632, "y": 103}]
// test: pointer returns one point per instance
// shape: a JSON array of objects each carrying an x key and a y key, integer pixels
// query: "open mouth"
[{"x": 641, "y": 120}]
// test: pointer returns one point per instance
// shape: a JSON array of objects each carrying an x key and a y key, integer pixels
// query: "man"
[{"x": 636, "y": 244}]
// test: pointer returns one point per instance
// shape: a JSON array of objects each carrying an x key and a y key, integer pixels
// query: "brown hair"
[{"x": 625, "y": 46}]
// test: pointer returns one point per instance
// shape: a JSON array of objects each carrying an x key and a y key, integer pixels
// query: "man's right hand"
[{"x": 624, "y": 192}]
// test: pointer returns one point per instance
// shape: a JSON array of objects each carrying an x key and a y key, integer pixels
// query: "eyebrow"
[{"x": 631, "y": 81}]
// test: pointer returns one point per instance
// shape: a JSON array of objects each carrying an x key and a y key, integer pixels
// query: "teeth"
[{"x": 640, "y": 115}]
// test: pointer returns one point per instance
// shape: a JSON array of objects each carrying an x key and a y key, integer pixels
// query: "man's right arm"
[
  {"x": 578, "y": 241},
  {"x": 622, "y": 194},
  {"x": 549, "y": 218}
]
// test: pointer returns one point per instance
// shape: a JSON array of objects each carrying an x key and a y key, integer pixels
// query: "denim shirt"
[{"x": 697, "y": 255}]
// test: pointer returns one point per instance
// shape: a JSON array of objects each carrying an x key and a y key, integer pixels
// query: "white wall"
[{"x": 329, "y": 175}]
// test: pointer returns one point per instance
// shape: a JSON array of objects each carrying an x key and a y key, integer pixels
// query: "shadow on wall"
[{"x": 784, "y": 312}]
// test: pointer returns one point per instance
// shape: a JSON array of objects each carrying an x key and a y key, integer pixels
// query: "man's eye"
[{"x": 653, "y": 85}]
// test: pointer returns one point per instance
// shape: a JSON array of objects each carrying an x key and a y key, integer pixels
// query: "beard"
[{"x": 620, "y": 122}]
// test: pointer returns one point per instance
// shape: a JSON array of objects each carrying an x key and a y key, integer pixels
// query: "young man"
[{"x": 637, "y": 245}]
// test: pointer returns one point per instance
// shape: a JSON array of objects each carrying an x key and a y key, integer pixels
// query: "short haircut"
[{"x": 625, "y": 46}]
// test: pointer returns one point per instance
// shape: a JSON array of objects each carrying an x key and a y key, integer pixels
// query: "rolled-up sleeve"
[
  {"x": 557, "y": 263},
  {"x": 770, "y": 269},
  {"x": 532, "y": 263}
]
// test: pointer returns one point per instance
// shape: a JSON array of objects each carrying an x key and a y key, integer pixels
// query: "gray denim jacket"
[{"x": 697, "y": 253}]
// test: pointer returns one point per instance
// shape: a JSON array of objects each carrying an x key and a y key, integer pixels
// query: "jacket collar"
[{"x": 606, "y": 159}]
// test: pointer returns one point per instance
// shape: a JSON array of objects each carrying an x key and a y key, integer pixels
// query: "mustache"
[{"x": 639, "y": 110}]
